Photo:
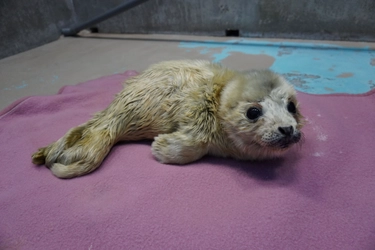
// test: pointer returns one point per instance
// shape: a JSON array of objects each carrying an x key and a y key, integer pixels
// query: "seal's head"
[{"x": 261, "y": 114}]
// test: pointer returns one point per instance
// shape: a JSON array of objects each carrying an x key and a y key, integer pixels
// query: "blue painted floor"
[{"x": 311, "y": 68}]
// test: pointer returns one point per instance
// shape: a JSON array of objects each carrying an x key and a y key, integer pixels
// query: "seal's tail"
[{"x": 79, "y": 152}]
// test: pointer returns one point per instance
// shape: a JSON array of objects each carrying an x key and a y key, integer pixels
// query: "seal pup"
[{"x": 190, "y": 108}]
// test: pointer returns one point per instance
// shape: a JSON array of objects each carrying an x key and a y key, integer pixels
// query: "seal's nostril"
[{"x": 287, "y": 131}]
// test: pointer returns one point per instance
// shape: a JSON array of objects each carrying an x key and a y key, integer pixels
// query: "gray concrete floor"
[{"x": 68, "y": 61}]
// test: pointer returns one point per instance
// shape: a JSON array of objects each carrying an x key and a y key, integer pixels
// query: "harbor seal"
[{"x": 190, "y": 108}]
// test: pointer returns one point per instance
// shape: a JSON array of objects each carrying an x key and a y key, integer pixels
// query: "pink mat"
[{"x": 321, "y": 196}]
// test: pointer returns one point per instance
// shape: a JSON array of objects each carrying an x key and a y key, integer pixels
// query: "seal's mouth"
[{"x": 283, "y": 142}]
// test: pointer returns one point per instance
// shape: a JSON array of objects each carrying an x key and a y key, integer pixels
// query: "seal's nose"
[{"x": 287, "y": 131}]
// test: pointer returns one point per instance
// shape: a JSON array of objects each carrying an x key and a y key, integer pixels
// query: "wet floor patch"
[{"x": 311, "y": 67}]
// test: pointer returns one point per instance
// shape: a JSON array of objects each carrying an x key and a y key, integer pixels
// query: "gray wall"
[
  {"x": 25, "y": 24},
  {"x": 315, "y": 19}
]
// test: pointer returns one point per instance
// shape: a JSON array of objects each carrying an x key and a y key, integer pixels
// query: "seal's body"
[{"x": 190, "y": 109}]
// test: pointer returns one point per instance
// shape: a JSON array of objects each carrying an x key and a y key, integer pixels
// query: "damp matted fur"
[{"x": 190, "y": 109}]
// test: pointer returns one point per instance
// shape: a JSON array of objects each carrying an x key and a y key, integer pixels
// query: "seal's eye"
[
  {"x": 253, "y": 113},
  {"x": 292, "y": 108}
]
